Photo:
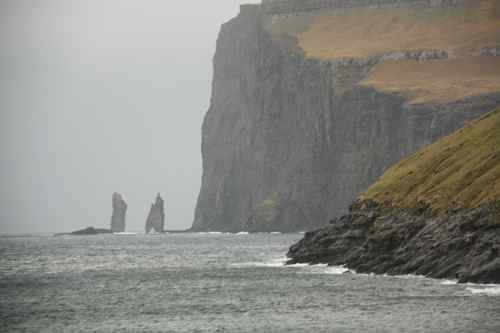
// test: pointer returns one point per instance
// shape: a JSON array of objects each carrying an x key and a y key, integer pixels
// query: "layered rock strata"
[{"x": 461, "y": 243}]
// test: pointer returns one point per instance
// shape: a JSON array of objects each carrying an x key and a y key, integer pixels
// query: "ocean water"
[{"x": 217, "y": 283}]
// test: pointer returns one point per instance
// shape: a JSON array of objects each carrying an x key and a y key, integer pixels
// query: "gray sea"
[{"x": 217, "y": 283}]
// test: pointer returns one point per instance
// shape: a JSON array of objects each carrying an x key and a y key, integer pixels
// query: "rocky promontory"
[
  {"x": 462, "y": 244},
  {"x": 436, "y": 214}
]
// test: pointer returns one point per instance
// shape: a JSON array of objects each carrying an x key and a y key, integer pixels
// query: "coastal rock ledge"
[{"x": 462, "y": 244}]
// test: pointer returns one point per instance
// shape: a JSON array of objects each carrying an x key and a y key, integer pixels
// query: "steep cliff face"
[{"x": 291, "y": 139}]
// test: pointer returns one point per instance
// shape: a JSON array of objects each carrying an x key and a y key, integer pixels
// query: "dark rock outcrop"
[
  {"x": 491, "y": 51},
  {"x": 119, "y": 212},
  {"x": 288, "y": 142},
  {"x": 90, "y": 231},
  {"x": 459, "y": 243},
  {"x": 156, "y": 217}
]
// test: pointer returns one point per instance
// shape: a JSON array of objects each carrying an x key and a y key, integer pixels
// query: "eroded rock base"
[{"x": 460, "y": 243}]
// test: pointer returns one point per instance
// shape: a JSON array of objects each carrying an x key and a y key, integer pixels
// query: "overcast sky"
[{"x": 98, "y": 96}]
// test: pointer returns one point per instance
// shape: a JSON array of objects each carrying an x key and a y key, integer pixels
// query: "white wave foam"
[
  {"x": 125, "y": 233},
  {"x": 242, "y": 233},
  {"x": 310, "y": 269},
  {"x": 449, "y": 282},
  {"x": 490, "y": 290},
  {"x": 212, "y": 233},
  {"x": 325, "y": 269},
  {"x": 278, "y": 262},
  {"x": 336, "y": 270},
  {"x": 299, "y": 265},
  {"x": 275, "y": 233},
  {"x": 407, "y": 276}
]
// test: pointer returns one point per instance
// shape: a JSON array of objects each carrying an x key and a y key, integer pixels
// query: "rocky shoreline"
[{"x": 457, "y": 243}]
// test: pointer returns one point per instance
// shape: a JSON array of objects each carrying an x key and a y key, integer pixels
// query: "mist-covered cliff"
[{"x": 309, "y": 107}]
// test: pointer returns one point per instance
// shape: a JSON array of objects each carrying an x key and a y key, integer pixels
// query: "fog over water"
[{"x": 98, "y": 96}]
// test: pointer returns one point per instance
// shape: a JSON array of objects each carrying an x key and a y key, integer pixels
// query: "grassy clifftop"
[
  {"x": 437, "y": 81},
  {"x": 368, "y": 32},
  {"x": 462, "y": 169}
]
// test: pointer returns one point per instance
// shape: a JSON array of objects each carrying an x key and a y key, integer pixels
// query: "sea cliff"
[
  {"x": 436, "y": 213},
  {"x": 310, "y": 107}
]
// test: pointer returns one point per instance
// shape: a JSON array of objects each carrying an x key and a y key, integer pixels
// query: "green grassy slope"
[{"x": 462, "y": 169}]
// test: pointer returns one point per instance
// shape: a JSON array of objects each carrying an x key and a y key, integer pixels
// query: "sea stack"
[
  {"x": 119, "y": 211},
  {"x": 156, "y": 217}
]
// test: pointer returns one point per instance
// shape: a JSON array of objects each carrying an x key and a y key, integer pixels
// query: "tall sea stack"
[
  {"x": 119, "y": 211},
  {"x": 156, "y": 217}
]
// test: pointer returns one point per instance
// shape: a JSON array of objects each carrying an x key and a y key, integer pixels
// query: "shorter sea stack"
[
  {"x": 436, "y": 214},
  {"x": 119, "y": 211},
  {"x": 156, "y": 217}
]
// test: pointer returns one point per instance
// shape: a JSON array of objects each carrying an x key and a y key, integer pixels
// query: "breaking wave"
[
  {"x": 281, "y": 262},
  {"x": 490, "y": 290},
  {"x": 449, "y": 282}
]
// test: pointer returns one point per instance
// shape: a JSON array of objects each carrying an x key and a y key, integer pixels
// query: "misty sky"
[{"x": 98, "y": 96}]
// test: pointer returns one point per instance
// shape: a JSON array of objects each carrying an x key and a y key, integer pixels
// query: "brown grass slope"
[
  {"x": 437, "y": 81},
  {"x": 461, "y": 170},
  {"x": 368, "y": 32}
]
